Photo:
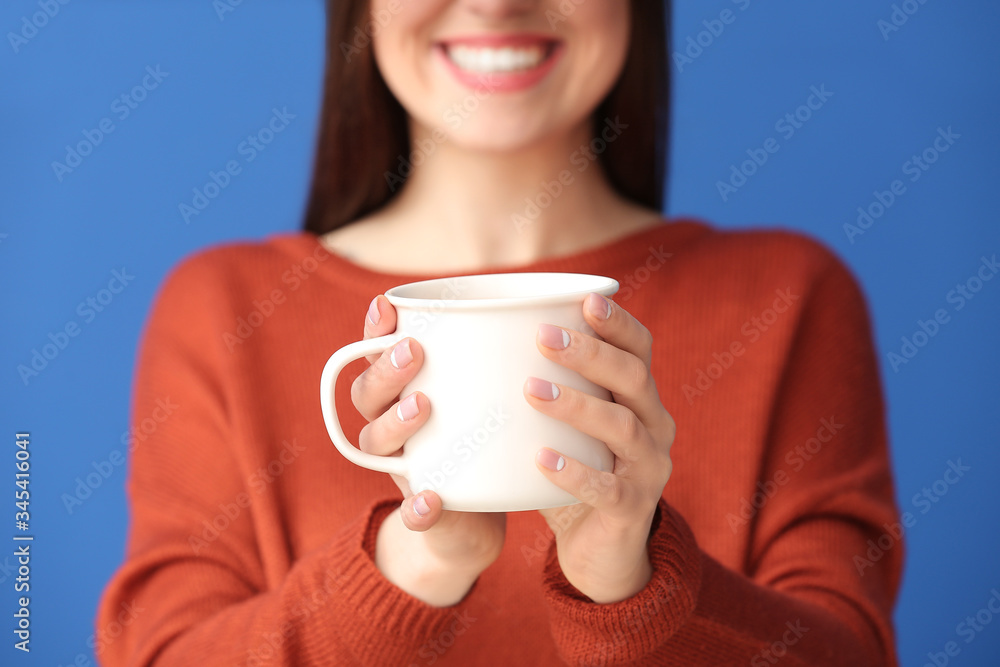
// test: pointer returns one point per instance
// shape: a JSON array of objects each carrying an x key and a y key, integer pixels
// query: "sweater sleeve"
[
  {"x": 825, "y": 553},
  {"x": 193, "y": 588}
]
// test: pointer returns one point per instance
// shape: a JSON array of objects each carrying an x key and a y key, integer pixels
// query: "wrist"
[
  {"x": 607, "y": 585},
  {"x": 616, "y": 572},
  {"x": 405, "y": 559}
]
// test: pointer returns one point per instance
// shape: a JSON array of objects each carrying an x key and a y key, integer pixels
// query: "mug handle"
[{"x": 395, "y": 465}]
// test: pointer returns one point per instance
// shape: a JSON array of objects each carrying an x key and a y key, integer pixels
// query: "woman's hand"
[
  {"x": 601, "y": 543},
  {"x": 431, "y": 554}
]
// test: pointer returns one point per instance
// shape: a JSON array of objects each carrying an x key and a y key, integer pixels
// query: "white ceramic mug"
[{"x": 477, "y": 448}]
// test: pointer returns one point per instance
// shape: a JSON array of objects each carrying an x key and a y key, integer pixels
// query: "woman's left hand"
[{"x": 601, "y": 543}]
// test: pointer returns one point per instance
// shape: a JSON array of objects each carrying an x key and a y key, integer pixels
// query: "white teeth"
[{"x": 486, "y": 60}]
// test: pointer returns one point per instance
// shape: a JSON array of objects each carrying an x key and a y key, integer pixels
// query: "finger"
[
  {"x": 387, "y": 433},
  {"x": 422, "y": 511},
  {"x": 378, "y": 387},
  {"x": 611, "y": 423},
  {"x": 379, "y": 321},
  {"x": 619, "y": 371},
  {"x": 617, "y": 326}
]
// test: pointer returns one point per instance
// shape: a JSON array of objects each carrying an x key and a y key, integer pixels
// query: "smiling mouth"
[{"x": 481, "y": 59}]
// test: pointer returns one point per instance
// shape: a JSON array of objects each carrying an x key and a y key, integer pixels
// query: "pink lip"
[{"x": 505, "y": 82}]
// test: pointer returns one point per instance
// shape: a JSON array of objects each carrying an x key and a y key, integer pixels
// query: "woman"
[{"x": 510, "y": 135}]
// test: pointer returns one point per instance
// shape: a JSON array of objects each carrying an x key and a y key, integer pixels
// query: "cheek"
[
  {"x": 602, "y": 31},
  {"x": 403, "y": 21},
  {"x": 386, "y": 11},
  {"x": 616, "y": 28},
  {"x": 611, "y": 17},
  {"x": 400, "y": 32}
]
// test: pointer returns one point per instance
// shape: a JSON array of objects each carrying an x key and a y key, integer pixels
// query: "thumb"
[{"x": 422, "y": 511}]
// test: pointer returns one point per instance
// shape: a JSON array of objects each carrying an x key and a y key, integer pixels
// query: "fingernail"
[
  {"x": 407, "y": 408},
  {"x": 599, "y": 306},
  {"x": 543, "y": 389},
  {"x": 420, "y": 506},
  {"x": 373, "y": 315},
  {"x": 400, "y": 357},
  {"x": 553, "y": 337},
  {"x": 549, "y": 459}
]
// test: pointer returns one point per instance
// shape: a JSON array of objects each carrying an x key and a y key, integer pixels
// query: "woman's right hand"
[{"x": 431, "y": 554}]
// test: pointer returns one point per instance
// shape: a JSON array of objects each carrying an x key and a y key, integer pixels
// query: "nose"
[{"x": 498, "y": 9}]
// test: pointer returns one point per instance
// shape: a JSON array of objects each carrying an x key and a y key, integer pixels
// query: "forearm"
[
  {"x": 333, "y": 606},
  {"x": 738, "y": 621},
  {"x": 695, "y": 611}
]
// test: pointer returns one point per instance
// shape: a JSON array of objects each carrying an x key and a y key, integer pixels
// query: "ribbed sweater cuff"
[
  {"x": 386, "y": 625},
  {"x": 626, "y": 631}
]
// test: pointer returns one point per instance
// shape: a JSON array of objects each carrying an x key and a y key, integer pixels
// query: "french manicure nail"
[
  {"x": 542, "y": 389},
  {"x": 420, "y": 506},
  {"x": 549, "y": 459},
  {"x": 373, "y": 315},
  {"x": 407, "y": 408},
  {"x": 553, "y": 337},
  {"x": 400, "y": 357},
  {"x": 599, "y": 306}
]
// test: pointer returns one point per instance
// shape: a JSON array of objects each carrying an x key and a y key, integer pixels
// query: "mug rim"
[{"x": 605, "y": 287}]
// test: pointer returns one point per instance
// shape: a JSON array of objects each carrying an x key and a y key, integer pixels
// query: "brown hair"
[{"x": 363, "y": 135}]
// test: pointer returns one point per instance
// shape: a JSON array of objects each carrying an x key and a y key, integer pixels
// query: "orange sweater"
[{"x": 251, "y": 539}]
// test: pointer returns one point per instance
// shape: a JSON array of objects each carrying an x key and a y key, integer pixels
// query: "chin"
[
  {"x": 506, "y": 130},
  {"x": 498, "y": 139}
]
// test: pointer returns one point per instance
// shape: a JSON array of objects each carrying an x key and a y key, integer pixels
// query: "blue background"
[{"x": 60, "y": 240}]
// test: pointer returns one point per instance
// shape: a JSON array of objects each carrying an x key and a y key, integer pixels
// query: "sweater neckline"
[{"x": 337, "y": 268}]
